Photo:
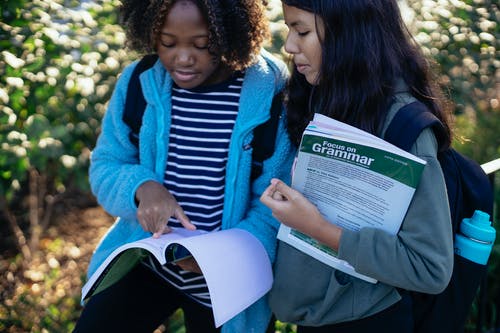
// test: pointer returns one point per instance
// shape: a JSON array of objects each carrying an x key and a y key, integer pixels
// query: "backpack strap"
[
  {"x": 460, "y": 171},
  {"x": 468, "y": 189},
  {"x": 264, "y": 137},
  {"x": 409, "y": 122},
  {"x": 135, "y": 104}
]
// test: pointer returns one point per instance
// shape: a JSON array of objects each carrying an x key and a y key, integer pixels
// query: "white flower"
[
  {"x": 15, "y": 82},
  {"x": 85, "y": 85},
  {"x": 12, "y": 60},
  {"x": 68, "y": 161}
]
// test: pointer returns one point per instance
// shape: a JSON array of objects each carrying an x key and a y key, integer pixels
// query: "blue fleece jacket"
[{"x": 116, "y": 171}]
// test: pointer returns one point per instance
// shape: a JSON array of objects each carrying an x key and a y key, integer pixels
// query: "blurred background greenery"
[{"x": 59, "y": 60}]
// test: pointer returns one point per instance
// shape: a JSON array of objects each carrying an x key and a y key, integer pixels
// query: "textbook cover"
[{"x": 355, "y": 179}]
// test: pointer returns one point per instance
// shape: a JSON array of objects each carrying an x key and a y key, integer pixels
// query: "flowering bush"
[
  {"x": 462, "y": 36},
  {"x": 59, "y": 61}
]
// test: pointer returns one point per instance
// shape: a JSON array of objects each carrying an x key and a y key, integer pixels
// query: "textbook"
[
  {"x": 234, "y": 263},
  {"x": 355, "y": 179}
]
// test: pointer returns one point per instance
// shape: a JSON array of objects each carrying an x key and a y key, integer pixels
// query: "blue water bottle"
[{"x": 476, "y": 237}]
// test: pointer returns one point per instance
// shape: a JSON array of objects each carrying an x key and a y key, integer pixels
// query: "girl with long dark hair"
[{"x": 355, "y": 61}]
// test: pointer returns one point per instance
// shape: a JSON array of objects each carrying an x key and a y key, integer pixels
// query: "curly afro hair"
[{"x": 237, "y": 28}]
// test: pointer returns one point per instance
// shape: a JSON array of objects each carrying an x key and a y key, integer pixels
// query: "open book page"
[
  {"x": 356, "y": 180},
  {"x": 236, "y": 267},
  {"x": 234, "y": 263},
  {"x": 124, "y": 258}
]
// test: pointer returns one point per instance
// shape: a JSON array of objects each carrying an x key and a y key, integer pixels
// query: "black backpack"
[
  {"x": 264, "y": 135},
  {"x": 468, "y": 189}
]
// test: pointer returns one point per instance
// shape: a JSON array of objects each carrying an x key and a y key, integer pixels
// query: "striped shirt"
[{"x": 201, "y": 126}]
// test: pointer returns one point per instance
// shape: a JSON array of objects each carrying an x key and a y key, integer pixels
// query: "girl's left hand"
[
  {"x": 189, "y": 264},
  {"x": 290, "y": 207}
]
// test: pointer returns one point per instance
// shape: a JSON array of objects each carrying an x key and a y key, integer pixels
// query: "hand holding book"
[
  {"x": 179, "y": 255},
  {"x": 294, "y": 210},
  {"x": 343, "y": 178},
  {"x": 189, "y": 264}
]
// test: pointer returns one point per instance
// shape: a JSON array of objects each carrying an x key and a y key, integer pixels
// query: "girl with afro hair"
[{"x": 211, "y": 86}]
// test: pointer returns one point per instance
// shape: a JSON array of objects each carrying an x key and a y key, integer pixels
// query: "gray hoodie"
[{"x": 420, "y": 257}]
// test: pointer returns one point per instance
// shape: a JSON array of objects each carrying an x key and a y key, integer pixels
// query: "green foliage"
[
  {"x": 59, "y": 61},
  {"x": 463, "y": 37},
  {"x": 176, "y": 323},
  {"x": 285, "y": 327},
  {"x": 278, "y": 30}
]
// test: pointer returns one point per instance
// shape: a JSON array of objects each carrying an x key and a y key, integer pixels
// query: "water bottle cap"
[
  {"x": 478, "y": 227},
  {"x": 480, "y": 217}
]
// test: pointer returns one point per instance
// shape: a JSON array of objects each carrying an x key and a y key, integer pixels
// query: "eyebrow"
[
  {"x": 295, "y": 24},
  {"x": 172, "y": 35}
]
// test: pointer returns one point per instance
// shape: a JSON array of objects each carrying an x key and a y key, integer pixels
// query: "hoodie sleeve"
[{"x": 420, "y": 257}]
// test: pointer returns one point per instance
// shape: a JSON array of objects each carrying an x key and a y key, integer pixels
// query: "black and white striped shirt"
[{"x": 202, "y": 121}]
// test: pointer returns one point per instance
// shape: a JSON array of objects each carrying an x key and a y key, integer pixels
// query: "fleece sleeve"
[
  {"x": 115, "y": 172},
  {"x": 259, "y": 220}
]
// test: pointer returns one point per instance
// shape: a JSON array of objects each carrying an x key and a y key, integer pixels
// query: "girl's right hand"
[
  {"x": 289, "y": 206},
  {"x": 156, "y": 206},
  {"x": 292, "y": 209}
]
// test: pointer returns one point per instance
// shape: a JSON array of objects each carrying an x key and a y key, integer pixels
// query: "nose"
[
  {"x": 290, "y": 44},
  {"x": 184, "y": 57}
]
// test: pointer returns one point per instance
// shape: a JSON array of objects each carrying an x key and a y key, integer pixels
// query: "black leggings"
[
  {"x": 140, "y": 302},
  {"x": 397, "y": 318}
]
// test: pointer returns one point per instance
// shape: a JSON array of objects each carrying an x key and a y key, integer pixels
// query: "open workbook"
[
  {"x": 355, "y": 179},
  {"x": 234, "y": 263}
]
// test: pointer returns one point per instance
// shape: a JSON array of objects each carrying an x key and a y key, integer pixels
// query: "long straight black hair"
[{"x": 366, "y": 49}]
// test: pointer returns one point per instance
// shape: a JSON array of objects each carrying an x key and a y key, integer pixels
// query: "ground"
[{"x": 44, "y": 295}]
